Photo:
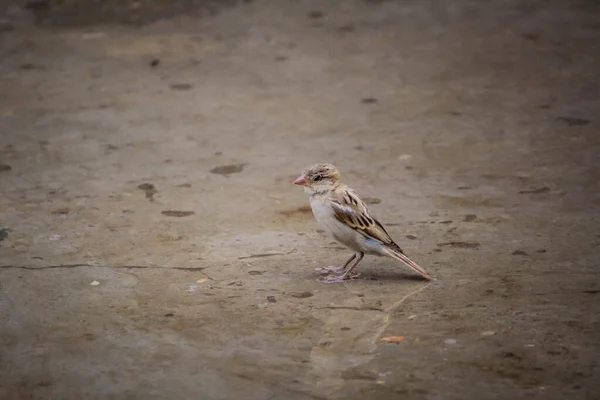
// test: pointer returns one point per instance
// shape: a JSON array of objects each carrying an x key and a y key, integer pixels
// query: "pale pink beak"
[{"x": 301, "y": 180}]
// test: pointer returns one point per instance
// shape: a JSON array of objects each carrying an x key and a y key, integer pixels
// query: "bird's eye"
[{"x": 318, "y": 177}]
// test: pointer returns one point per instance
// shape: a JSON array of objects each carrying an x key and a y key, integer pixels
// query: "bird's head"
[{"x": 319, "y": 178}]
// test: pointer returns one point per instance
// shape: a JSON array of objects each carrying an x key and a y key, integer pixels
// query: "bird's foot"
[
  {"x": 337, "y": 278},
  {"x": 332, "y": 269}
]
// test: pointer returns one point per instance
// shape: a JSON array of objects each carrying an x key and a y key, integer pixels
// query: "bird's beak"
[{"x": 301, "y": 180}]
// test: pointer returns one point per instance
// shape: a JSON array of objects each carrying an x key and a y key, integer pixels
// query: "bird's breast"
[
  {"x": 322, "y": 212},
  {"x": 325, "y": 216}
]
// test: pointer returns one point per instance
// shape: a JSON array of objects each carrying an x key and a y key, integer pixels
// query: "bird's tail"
[{"x": 398, "y": 255}]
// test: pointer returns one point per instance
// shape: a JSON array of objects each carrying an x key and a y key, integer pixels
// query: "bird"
[{"x": 341, "y": 211}]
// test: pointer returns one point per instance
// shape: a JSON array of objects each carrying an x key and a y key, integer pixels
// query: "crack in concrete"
[
  {"x": 261, "y": 255},
  {"x": 69, "y": 266},
  {"x": 390, "y": 310},
  {"x": 352, "y": 349},
  {"x": 349, "y": 308}
]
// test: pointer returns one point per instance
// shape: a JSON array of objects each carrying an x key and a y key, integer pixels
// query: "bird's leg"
[
  {"x": 349, "y": 270},
  {"x": 347, "y": 274},
  {"x": 349, "y": 261},
  {"x": 332, "y": 269}
]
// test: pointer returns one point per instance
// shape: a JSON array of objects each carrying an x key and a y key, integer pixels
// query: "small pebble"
[
  {"x": 450, "y": 341},
  {"x": 192, "y": 288},
  {"x": 94, "y": 283},
  {"x": 488, "y": 333}
]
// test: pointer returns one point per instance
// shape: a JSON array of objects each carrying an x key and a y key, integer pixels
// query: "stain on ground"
[
  {"x": 346, "y": 28},
  {"x": 228, "y": 169},
  {"x": 181, "y": 86},
  {"x": 301, "y": 295},
  {"x": 315, "y": 14},
  {"x": 3, "y": 234},
  {"x": 109, "y": 148},
  {"x": 5, "y": 167},
  {"x": 469, "y": 217},
  {"x": 570, "y": 121},
  {"x": 149, "y": 190},
  {"x": 368, "y": 100},
  {"x": 461, "y": 245},
  {"x": 176, "y": 213},
  {"x": 296, "y": 211},
  {"x": 543, "y": 189}
]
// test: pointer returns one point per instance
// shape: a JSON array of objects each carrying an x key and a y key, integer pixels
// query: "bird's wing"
[{"x": 350, "y": 210}]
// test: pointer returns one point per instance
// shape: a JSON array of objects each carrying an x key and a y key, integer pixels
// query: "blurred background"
[{"x": 153, "y": 246}]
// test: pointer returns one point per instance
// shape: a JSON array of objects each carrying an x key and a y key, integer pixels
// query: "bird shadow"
[
  {"x": 383, "y": 277},
  {"x": 393, "y": 276}
]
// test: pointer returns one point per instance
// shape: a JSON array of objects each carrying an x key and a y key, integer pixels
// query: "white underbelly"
[{"x": 344, "y": 234}]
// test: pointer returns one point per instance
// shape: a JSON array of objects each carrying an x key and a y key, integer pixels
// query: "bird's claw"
[
  {"x": 337, "y": 278},
  {"x": 332, "y": 269}
]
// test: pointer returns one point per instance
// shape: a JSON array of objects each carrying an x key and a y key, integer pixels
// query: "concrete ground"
[{"x": 153, "y": 246}]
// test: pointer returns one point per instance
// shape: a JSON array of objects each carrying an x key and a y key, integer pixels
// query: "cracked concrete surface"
[{"x": 156, "y": 161}]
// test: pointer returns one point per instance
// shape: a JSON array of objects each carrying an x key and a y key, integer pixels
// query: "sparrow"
[{"x": 339, "y": 210}]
